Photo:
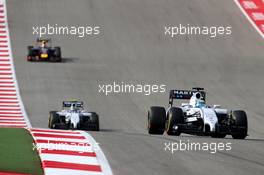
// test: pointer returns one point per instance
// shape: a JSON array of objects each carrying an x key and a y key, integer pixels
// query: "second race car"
[{"x": 73, "y": 116}]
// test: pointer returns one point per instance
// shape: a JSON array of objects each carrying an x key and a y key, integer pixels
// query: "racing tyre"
[
  {"x": 53, "y": 119},
  {"x": 30, "y": 53},
  {"x": 175, "y": 117},
  {"x": 95, "y": 121},
  {"x": 156, "y": 120},
  {"x": 217, "y": 134},
  {"x": 240, "y": 118},
  {"x": 57, "y": 54}
]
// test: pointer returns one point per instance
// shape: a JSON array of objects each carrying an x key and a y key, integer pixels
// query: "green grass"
[{"x": 16, "y": 152}]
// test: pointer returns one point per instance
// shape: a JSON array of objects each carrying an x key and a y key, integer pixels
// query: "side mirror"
[
  {"x": 185, "y": 104},
  {"x": 217, "y": 106}
]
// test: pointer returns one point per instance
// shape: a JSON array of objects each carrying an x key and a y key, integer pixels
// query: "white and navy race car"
[
  {"x": 73, "y": 116},
  {"x": 196, "y": 117}
]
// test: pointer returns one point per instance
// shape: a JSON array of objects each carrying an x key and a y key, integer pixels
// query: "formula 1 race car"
[
  {"x": 196, "y": 117},
  {"x": 73, "y": 116},
  {"x": 43, "y": 51}
]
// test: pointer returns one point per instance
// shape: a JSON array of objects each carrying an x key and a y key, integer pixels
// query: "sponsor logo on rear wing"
[
  {"x": 68, "y": 104},
  {"x": 185, "y": 94},
  {"x": 181, "y": 94},
  {"x": 43, "y": 39}
]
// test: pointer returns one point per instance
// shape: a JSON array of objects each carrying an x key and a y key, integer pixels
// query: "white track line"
[
  {"x": 70, "y": 159},
  {"x": 57, "y": 171},
  {"x": 8, "y": 80},
  {"x": 86, "y": 154},
  {"x": 61, "y": 139},
  {"x": 100, "y": 155}
]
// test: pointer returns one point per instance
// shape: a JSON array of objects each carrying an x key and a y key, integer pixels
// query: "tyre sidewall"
[
  {"x": 174, "y": 117},
  {"x": 156, "y": 120}
]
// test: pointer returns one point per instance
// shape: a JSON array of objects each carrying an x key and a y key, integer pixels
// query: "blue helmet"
[{"x": 200, "y": 104}]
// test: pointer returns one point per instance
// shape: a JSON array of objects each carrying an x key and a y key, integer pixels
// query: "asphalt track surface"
[{"x": 133, "y": 48}]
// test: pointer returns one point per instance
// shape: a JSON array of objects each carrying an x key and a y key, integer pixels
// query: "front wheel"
[
  {"x": 30, "y": 54},
  {"x": 57, "y": 54},
  {"x": 156, "y": 120},
  {"x": 53, "y": 119}
]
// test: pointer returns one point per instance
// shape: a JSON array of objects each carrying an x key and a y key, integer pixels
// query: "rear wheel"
[
  {"x": 175, "y": 117},
  {"x": 30, "y": 53},
  {"x": 240, "y": 118},
  {"x": 156, "y": 120},
  {"x": 57, "y": 54},
  {"x": 53, "y": 119}
]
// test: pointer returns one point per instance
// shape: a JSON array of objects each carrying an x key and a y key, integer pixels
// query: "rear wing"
[
  {"x": 185, "y": 94},
  {"x": 67, "y": 104},
  {"x": 47, "y": 40},
  {"x": 43, "y": 39}
]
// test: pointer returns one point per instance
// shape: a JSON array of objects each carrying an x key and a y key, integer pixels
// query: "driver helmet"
[
  {"x": 74, "y": 107},
  {"x": 43, "y": 44},
  {"x": 200, "y": 103}
]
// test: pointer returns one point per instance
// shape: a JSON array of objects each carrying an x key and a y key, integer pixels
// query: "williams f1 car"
[
  {"x": 196, "y": 117},
  {"x": 73, "y": 116},
  {"x": 43, "y": 51}
]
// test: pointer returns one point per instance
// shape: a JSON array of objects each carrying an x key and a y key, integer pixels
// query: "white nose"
[{"x": 75, "y": 119}]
